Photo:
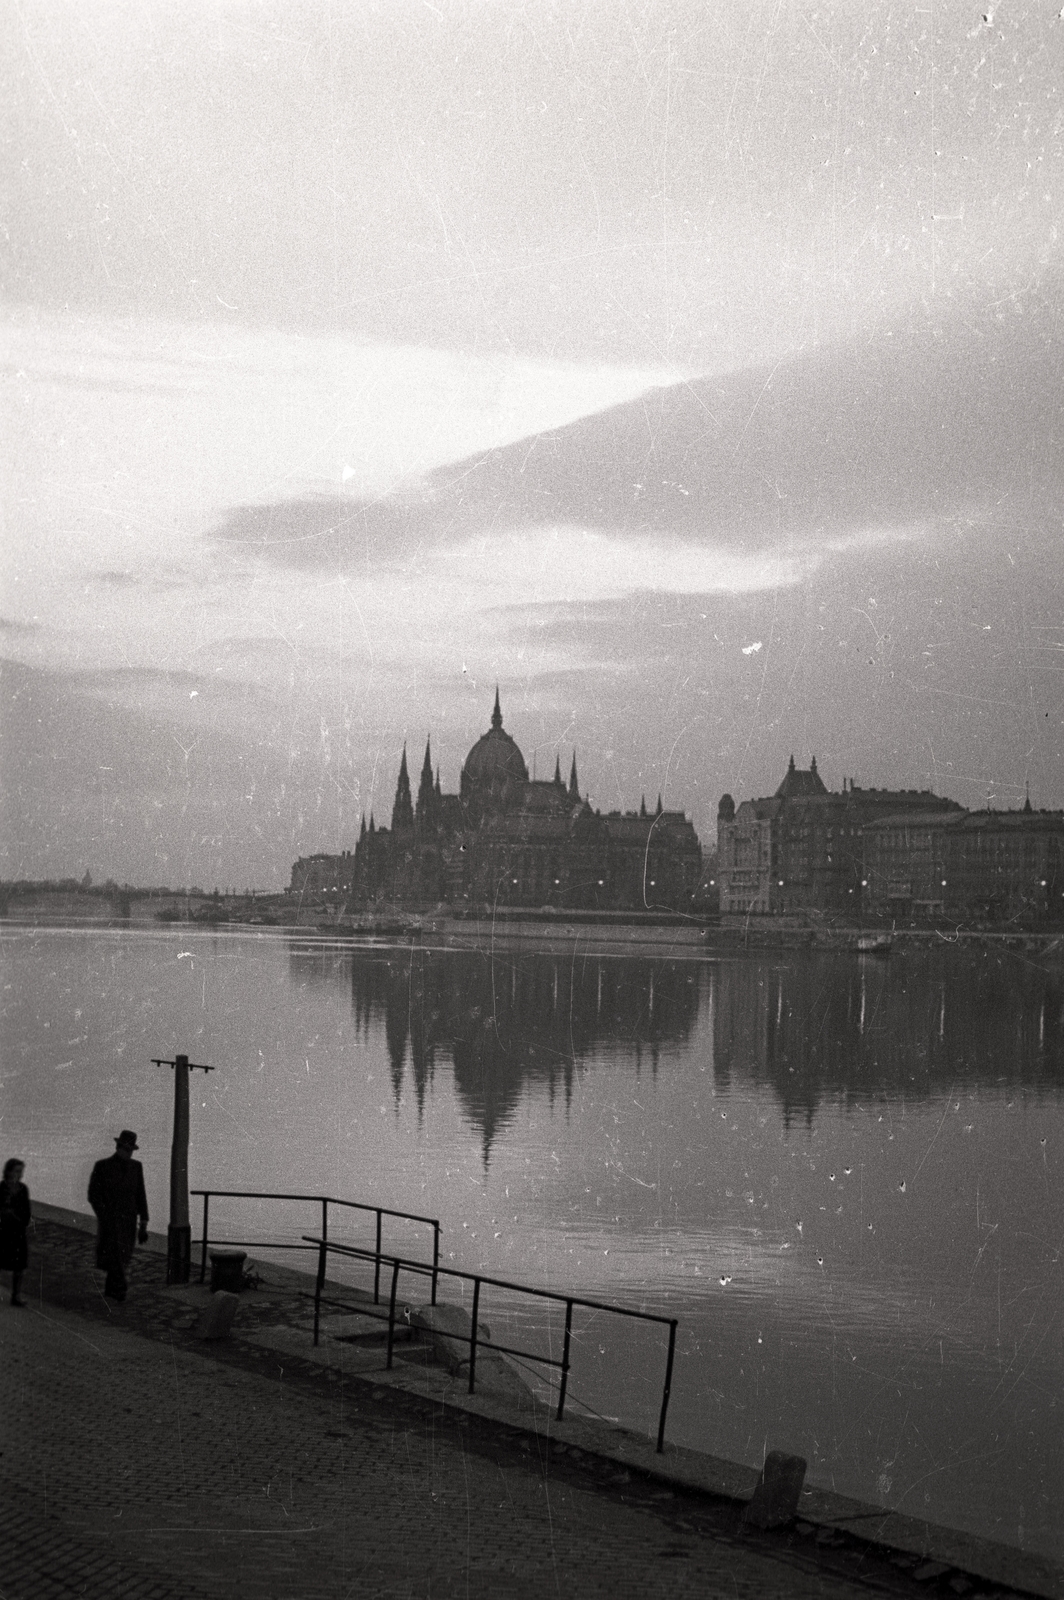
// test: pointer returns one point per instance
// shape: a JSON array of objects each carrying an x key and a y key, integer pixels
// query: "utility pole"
[{"x": 179, "y": 1233}]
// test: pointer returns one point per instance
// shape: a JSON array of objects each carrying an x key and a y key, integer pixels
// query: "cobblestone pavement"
[{"x": 147, "y": 1467}]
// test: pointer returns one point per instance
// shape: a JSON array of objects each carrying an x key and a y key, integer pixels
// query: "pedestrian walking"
[
  {"x": 116, "y": 1194},
  {"x": 14, "y": 1224}
]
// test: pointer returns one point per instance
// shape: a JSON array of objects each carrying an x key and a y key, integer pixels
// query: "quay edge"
[{"x": 827, "y": 1516}]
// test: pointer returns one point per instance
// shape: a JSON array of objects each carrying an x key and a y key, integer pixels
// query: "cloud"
[
  {"x": 115, "y": 580},
  {"x": 180, "y": 694},
  {"x": 496, "y": 177},
  {"x": 729, "y": 481},
  {"x": 549, "y": 565},
  {"x": 114, "y": 772},
  {"x": 104, "y": 380},
  {"x": 160, "y": 581},
  {"x": 251, "y": 650}
]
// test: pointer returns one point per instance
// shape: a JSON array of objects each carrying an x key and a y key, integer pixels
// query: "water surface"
[{"x": 842, "y": 1174}]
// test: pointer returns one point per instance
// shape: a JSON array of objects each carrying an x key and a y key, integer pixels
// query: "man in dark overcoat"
[{"x": 116, "y": 1194}]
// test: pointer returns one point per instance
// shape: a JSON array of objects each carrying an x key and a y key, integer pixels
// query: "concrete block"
[
  {"x": 497, "y": 1381},
  {"x": 775, "y": 1497},
  {"x": 216, "y": 1319},
  {"x": 448, "y": 1329},
  {"x": 929, "y": 1570}
]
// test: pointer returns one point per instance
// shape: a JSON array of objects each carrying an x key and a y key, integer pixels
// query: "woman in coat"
[{"x": 14, "y": 1223}]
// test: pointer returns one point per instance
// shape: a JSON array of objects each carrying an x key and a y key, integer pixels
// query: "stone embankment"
[
  {"x": 142, "y": 1461},
  {"x": 734, "y": 934}
]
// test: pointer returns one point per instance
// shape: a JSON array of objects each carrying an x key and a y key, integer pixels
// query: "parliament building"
[{"x": 506, "y": 839}]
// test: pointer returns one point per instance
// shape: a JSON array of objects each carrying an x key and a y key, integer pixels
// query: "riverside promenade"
[{"x": 139, "y": 1460}]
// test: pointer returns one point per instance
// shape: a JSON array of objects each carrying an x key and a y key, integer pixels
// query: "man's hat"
[{"x": 127, "y": 1139}]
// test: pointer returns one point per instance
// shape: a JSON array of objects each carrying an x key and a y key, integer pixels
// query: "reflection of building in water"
[
  {"x": 801, "y": 848},
  {"x": 816, "y": 1026},
  {"x": 507, "y": 1024},
  {"x": 853, "y": 1030},
  {"x": 506, "y": 839}
]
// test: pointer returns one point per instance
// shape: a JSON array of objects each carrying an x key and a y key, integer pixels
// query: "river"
[{"x": 842, "y": 1174}]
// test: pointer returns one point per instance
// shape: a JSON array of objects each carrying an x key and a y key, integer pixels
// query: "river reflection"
[
  {"x": 916, "y": 1025},
  {"x": 510, "y": 1025},
  {"x": 844, "y": 1175},
  {"x": 809, "y": 1028}
]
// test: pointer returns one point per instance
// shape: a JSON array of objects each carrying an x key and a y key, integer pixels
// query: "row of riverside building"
[
  {"x": 505, "y": 839},
  {"x": 888, "y": 855}
]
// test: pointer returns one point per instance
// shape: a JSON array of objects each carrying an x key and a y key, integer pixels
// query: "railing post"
[
  {"x": 473, "y": 1335},
  {"x": 435, "y": 1258},
  {"x": 203, "y": 1251},
  {"x": 318, "y": 1286},
  {"x": 377, "y": 1263},
  {"x": 565, "y": 1358},
  {"x": 668, "y": 1386},
  {"x": 391, "y": 1310}
]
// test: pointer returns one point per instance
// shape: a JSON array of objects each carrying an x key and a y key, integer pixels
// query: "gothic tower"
[
  {"x": 403, "y": 809},
  {"x": 426, "y": 791}
]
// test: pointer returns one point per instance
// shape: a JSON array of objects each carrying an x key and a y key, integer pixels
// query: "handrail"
[
  {"x": 434, "y": 1271},
  {"x": 325, "y": 1201}
]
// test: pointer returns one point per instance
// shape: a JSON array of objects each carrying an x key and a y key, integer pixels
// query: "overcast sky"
[{"x": 694, "y": 372}]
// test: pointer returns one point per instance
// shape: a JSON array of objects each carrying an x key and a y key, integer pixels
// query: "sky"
[{"x": 692, "y": 373}]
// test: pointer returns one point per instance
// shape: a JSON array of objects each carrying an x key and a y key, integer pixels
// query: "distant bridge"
[{"x": 106, "y": 903}]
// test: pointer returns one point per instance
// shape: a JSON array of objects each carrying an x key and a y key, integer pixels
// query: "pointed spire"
[
  {"x": 362, "y": 829},
  {"x": 372, "y": 829},
  {"x": 1027, "y": 797},
  {"x": 812, "y": 765},
  {"x": 425, "y": 793},
  {"x": 574, "y": 787},
  {"x": 658, "y": 811},
  {"x": 403, "y": 809},
  {"x": 438, "y": 791},
  {"x": 558, "y": 771},
  {"x": 790, "y": 765},
  {"x": 643, "y": 805},
  {"x": 496, "y": 715}
]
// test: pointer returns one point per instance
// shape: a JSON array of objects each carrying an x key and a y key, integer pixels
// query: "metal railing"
[
  {"x": 324, "y": 1201},
  {"x": 400, "y": 1263}
]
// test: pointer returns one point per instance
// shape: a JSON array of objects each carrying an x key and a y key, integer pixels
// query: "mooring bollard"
[
  {"x": 227, "y": 1270},
  {"x": 775, "y": 1497}
]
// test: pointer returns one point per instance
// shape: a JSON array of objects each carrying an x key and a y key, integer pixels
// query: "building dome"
[{"x": 495, "y": 771}]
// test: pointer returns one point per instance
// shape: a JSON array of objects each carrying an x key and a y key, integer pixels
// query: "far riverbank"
[{"x": 470, "y": 927}]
